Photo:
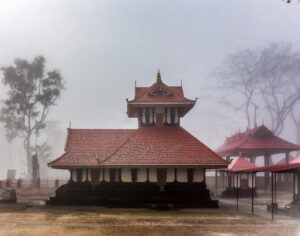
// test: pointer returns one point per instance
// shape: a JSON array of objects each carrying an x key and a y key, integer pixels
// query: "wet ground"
[
  {"x": 31, "y": 217},
  {"x": 46, "y": 220}
]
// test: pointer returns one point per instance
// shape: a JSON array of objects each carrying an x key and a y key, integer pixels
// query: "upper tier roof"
[
  {"x": 146, "y": 146},
  {"x": 159, "y": 94},
  {"x": 176, "y": 95},
  {"x": 257, "y": 141}
]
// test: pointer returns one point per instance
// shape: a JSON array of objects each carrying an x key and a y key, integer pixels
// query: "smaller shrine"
[
  {"x": 254, "y": 143},
  {"x": 236, "y": 177}
]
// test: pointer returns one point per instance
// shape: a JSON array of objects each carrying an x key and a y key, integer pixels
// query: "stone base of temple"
[
  {"x": 135, "y": 195},
  {"x": 232, "y": 193}
]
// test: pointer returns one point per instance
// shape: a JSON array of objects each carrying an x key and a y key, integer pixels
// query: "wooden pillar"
[
  {"x": 266, "y": 174},
  {"x": 8, "y": 183},
  {"x": 19, "y": 183},
  {"x": 147, "y": 175},
  {"x": 223, "y": 179},
  {"x": 286, "y": 180},
  {"x": 56, "y": 183},
  {"x": 237, "y": 191},
  {"x": 252, "y": 159},
  {"x": 71, "y": 175},
  {"x": 272, "y": 192},
  {"x": 216, "y": 183},
  {"x": 296, "y": 197},
  {"x": 287, "y": 157},
  {"x": 252, "y": 192}
]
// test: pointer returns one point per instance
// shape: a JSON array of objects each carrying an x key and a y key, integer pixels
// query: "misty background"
[{"x": 102, "y": 47}]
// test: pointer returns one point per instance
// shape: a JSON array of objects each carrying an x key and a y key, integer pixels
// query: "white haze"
[{"x": 102, "y": 47}]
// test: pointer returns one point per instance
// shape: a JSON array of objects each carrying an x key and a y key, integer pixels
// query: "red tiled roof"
[
  {"x": 295, "y": 160},
  {"x": 240, "y": 164},
  {"x": 276, "y": 168},
  {"x": 255, "y": 141},
  {"x": 144, "y": 146},
  {"x": 283, "y": 160},
  {"x": 90, "y": 145},
  {"x": 176, "y": 94}
]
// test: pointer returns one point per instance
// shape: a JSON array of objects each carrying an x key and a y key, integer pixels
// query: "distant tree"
[
  {"x": 268, "y": 81},
  {"x": 279, "y": 73},
  {"x": 32, "y": 93},
  {"x": 296, "y": 121},
  {"x": 240, "y": 75}
]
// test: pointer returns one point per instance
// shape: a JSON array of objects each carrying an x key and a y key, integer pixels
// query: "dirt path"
[{"x": 102, "y": 221}]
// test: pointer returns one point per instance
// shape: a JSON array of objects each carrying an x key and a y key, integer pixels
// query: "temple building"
[
  {"x": 159, "y": 163},
  {"x": 256, "y": 142}
]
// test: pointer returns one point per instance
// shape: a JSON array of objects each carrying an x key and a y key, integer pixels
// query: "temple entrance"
[
  {"x": 161, "y": 177},
  {"x": 95, "y": 176}
]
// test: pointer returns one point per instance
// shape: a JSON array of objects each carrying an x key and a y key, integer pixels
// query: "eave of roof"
[{"x": 290, "y": 167}]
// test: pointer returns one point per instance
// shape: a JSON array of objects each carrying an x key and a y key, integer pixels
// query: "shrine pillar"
[
  {"x": 266, "y": 174},
  {"x": 296, "y": 187}
]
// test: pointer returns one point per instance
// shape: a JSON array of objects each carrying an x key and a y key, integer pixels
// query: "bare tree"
[
  {"x": 268, "y": 81},
  {"x": 279, "y": 86},
  {"x": 239, "y": 74},
  {"x": 296, "y": 121}
]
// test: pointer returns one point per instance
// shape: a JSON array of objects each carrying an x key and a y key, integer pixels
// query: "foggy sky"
[{"x": 102, "y": 47}]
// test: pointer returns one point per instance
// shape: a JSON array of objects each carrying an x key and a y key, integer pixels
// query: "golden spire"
[{"x": 158, "y": 77}]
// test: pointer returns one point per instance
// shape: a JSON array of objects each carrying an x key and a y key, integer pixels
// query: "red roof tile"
[
  {"x": 144, "y": 146},
  {"x": 90, "y": 145},
  {"x": 240, "y": 164},
  {"x": 295, "y": 160},
  {"x": 175, "y": 94},
  {"x": 290, "y": 167},
  {"x": 255, "y": 141},
  {"x": 283, "y": 160}
]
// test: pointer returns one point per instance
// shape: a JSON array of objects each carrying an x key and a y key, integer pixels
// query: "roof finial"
[
  {"x": 158, "y": 77},
  {"x": 70, "y": 125}
]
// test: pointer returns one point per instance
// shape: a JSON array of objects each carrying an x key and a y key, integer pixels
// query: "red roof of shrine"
[
  {"x": 295, "y": 160},
  {"x": 283, "y": 160},
  {"x": 240, "y": 164},
  {"x": 290, "y": 167},
  {"x": 145, "y": 146},
  {"x": 255, "y": 141}
]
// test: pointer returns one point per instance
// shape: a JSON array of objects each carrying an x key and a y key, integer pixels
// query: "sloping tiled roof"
[
  {"x": 89, "y": 146},
  {"x": 295, "y": 160},
  {"x": 142, "y": 95},
  {"x": 283, "y": 160},
  {"x": 289, "y": 167},
  {"x": 144, "y": 146},
  {"x": 240, "y": 164},
  {"x": 256, "y": 141}
]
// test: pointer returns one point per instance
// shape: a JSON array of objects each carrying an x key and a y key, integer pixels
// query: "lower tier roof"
[{"x": 146, "y": 146}]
